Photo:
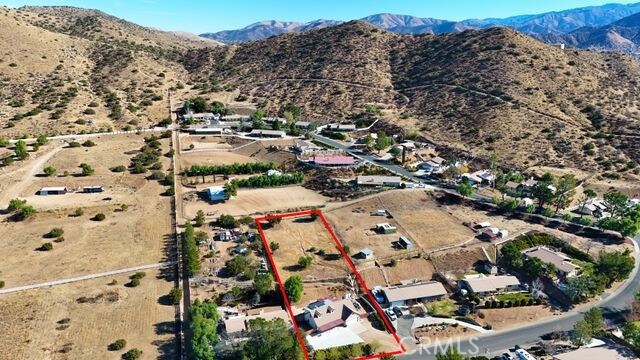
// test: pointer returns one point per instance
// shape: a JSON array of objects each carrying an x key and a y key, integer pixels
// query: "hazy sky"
[{"x": 200, "y": 16}]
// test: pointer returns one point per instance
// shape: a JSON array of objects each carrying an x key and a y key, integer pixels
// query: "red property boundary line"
[{"x": 372, "y": 300}]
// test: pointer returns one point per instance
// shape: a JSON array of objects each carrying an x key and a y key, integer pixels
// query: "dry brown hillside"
[
  {"x": 63, "y": 68},
  {"x": 484, "y": 91}
]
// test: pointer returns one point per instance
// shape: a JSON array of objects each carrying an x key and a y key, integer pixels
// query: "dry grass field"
[
  {"x": 136, "y": 231},
  {"x": 460, "y": 260},
  {"x": 295, "y": 237},
  {"x": 55, "y": 323},
  {"x": 260, "y": 201},
  {"x": 256, "y": 151},
  {"x": 135, "y": 236},
  {"x": 411, "y": 269},
  {"x": 413, "y": 212}
]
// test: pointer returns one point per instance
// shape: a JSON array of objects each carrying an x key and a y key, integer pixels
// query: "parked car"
[
  {"x": 390, "y": 314},
  {"x": 397, "y": 311},
  {"x": 507, "y": 356}
]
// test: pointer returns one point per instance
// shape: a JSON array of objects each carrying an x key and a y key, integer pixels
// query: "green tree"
[
  {"x": 271, "y": 340},
  {"x": 543, "y": 193},
  {"x": 631, "y": 333},
  {"x": 16, "y": 204},
  {"x": 41, "y": 140},
  {"x": 451, "y": 354},
  {"x": 256, "y": 119},
  {"x": 25, "y": 212},
  {"x": 175, "y": 295},
  {"x": 273, "y": 246},
  {"x": 465, "y": 189},
  {"x": 293, "y": 288},
  {"x": 227, "y": 221},
  {"x": 117, "y": 345},
  {"x": 238, "y": 265},
  {"x": 132, "y": 354},
  {"x": 615, "y": 265},
  {"x": 582, "y": 333},
  {"x": 49, "y": 170},
  {"x": 190, "y": 252},
  {"x": 304, "y": 261},
  {"x": 230, "y": 189},
  {"x": 198, "y": 104},
  {"x": 203, "y": 322},
  {"x": 21, "y": 150},
  {"x": 616, "y": 203},
  {"x": 263, "y": 283},
  {"x": 86, "y": 169},
  {"x": 200, "y": 219},
  {"x": 565, "y": 191}
]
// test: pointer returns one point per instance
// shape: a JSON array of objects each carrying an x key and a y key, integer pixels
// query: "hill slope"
[
  {"x": 64, "y": 66},
  {"x": 483, "y": 91},
  {"x": 622, "y": 35}
]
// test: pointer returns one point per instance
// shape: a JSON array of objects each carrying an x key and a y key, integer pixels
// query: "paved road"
[
  {"x": 612, "y": 305},
  {"x": 86, "y": 277}
]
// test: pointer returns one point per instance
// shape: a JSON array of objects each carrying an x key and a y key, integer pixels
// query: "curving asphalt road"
[
  {"x": 495, "y": 343},
  {"x": 613, "y": 305}
]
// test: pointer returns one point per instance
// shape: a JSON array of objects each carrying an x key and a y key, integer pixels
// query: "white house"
[
  {"x": 435, "y": 165},
  {"x": 326, "y": 314},
  {"x": 484, "y": 285},
  {"x": 562, "y": 262},
  {"x": 402, "y": 295}
]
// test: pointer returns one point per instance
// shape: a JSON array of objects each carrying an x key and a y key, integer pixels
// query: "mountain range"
[
  {"x": 479, "y": 91},
  {"x": 587, "y": 27}
]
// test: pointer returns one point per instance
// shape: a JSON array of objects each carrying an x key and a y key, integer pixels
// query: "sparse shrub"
[
  {"x": 134, "y": 282},
  {"x": 89, "y": 111},
  {"x": 1, "y": 284},
  {"x": 119, "y": 168},
  {"x": 117, "y": 345},
  {"x": 74, "y": 144},
  {"x": 59, "y": 239},
  {"x": 88, "y": 143},
  {"x": 132, "y": 354},
  {"x": 393, "y": 263},
  {"x": 99, "y": 217},
  {"x": 55, "y": 232},
  {"x": 79, "y": 212},
  {"x": 46, "y": 247}
]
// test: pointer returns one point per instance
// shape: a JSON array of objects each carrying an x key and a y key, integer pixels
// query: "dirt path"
[
  {"x": 26, "y": 174},
  {"x": 85, "y": 277}
]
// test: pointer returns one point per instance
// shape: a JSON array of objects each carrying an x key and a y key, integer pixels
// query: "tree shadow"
[{"x": 165, "y": 300}]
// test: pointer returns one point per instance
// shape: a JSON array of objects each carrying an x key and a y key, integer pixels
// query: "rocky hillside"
[
  {"x": 622, "y": 35},
  {"x": 64, "y": 68},
  {"x": 482, "y": 91}
]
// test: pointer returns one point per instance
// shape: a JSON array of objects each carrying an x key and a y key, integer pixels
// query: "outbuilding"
[
  {"x": 366, "y": 254},
  {"x": 216, "y": 193},
  {"x": 405, "y": 243},
  {"x": 53, "y": 190},
  {"x": 385, "y": 228}
]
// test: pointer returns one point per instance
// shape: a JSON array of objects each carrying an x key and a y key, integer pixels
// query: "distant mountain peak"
[{"x": 550, "y": 25}]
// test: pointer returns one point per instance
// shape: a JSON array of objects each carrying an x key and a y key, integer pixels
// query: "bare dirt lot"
[
  {"x": 296, "y": 236},
  {"x": 259, "y": 201},
  {"x": 56, "y": 323},
  {"x": 510, "y": 317},
  {"x": 459, "y": 260},
  {"x": 411, "y": 269},
  {"x": 413, "y": 212},
  {"x": 256, "y": 151}
]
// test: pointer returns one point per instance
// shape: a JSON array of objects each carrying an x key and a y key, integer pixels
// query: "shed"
[
  {"x": 385, "y": 228},
  {"x": 405, "y": 243},
  {"x": 53, "y": 190},
  {"x": 216, "y": 193},
  {"x": 92, "y": 189},
  {"x": 366, "y": 253}
]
